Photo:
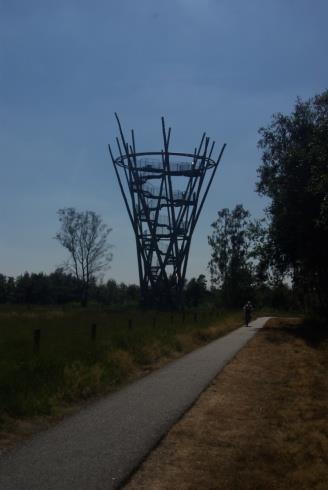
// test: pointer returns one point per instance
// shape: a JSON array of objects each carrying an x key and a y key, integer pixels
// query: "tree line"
[{"x": 60, "y": 287}]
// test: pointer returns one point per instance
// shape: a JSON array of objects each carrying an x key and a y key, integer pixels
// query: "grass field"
[{"x": 70, "y": 366}]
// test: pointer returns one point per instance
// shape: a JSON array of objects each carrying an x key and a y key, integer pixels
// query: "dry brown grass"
[{"x": 261, "y": 425}]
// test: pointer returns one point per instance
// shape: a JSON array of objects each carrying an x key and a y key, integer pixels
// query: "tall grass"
[{"x": 70, "y": 366}]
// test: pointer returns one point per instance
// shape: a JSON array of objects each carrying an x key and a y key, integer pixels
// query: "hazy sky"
[{"x": 223, "y": 66}]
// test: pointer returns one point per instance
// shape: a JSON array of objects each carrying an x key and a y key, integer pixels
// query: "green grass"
[{"x": 71, "y": 367}]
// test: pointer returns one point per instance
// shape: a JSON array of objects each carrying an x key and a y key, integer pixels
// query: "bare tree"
[{"x": 85, "y": 236}]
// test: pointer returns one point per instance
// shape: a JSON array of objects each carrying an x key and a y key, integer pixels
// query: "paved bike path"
[{"x": 100, "y": 446}]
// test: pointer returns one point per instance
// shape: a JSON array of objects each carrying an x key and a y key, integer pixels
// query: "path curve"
[{"x": 99, "y": 447}]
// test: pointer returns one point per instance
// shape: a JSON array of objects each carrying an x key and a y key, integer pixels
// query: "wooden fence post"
[{"x": 93, "y": 332}]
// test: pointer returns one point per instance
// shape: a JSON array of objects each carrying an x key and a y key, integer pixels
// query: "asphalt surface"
[{"x": 99, "y": 447}]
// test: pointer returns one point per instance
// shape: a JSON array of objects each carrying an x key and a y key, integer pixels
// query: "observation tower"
[{"x": 164, "y": 192}]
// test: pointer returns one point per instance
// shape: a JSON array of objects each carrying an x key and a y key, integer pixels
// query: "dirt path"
[{"x": 261, "y": 425}]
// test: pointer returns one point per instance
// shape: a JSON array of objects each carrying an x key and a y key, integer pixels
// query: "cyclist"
[{"x": 248, "y": 308}]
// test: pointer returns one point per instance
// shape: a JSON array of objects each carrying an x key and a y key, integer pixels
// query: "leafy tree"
[
  {"x": 23, "y": 289},
  {"x": 196, "y": 290},
  {"x": 64, "y": 287},
  {"x": 232, "y": 265},
  {"x": 3, "y": 289},
  {"x": 113, "y": 292},
  {"x": 85, "y": 236},
  {"x": 10, "y": 290},
  {"x": 33, "y": 289},
  {"x": 294, "y": 175},
  {"x": 133, "y": 293}
]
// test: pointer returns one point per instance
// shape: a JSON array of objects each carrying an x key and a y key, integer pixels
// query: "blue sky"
[{"x": 207, "y": 65}]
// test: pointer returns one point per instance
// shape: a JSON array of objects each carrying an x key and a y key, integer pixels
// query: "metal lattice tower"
[{"x": 164, "y": 192}]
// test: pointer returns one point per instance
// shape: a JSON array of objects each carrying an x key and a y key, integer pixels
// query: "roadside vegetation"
[{"x": 80, "y": 353}]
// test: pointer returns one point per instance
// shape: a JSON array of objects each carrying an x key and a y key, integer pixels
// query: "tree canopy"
[
  {"x": 294, "y": 175},
  {"x": 233, "y": 245},
  {"x": 196, "y": 290},
  {"x": 85, "y": 236}
]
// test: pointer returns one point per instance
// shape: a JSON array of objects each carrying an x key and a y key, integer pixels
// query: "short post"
[
  {"x": 93, "y": 332},
  {"x": 183, "y": 316},
  {"x": 130, "y": 323},
  {"x": 154, "y": 322},
  {"x": 195, "y": 316},
  {"x": 172, "y": 318},
  {"x": 36, "y": 340}
]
